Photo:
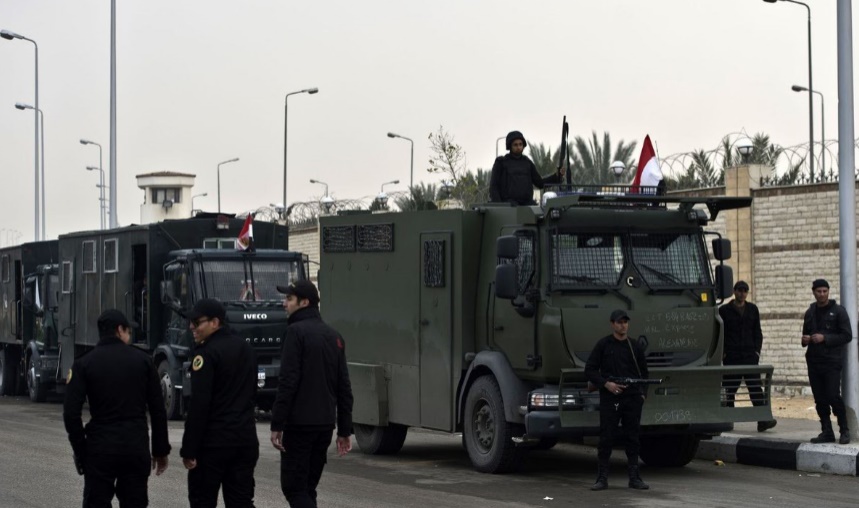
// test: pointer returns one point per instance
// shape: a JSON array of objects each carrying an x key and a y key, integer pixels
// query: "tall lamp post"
[
  {"x": 496, "y": 144},
  {"x": 797, "y": 88},
  {"x": 219, "y": 180},
  {"x": 810, "y": 87},
  {"x": 382, "y": 197},
  {"x": 196, "y": 196},
  {"x": 326, "y": 200},
  {"x": 310, "y": 91},
  {"x": 10, "y": 35},
  {"x": 412, "y": 165},
  {"x": 100, "y": 194},
  {"x": 22, "y": 107},
  {"x": 101, "y": 197}
]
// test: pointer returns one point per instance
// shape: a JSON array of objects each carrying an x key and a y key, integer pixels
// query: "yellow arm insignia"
[{"x": 197, "y": 364}]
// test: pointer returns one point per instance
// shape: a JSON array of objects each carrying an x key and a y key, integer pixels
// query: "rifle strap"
[{"x": 634, "y": 359}]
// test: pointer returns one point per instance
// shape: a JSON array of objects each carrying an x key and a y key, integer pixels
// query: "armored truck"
[
  {"x": 29, "y": 350},
  {"x": 155, "y": 273},
  {"x": 481, "y": 321}
]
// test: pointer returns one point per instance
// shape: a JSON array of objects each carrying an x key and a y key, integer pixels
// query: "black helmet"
[{"x": 514, "y": 135}]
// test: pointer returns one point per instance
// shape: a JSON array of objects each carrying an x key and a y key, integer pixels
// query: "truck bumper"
[{"x": 540, "y": 424}]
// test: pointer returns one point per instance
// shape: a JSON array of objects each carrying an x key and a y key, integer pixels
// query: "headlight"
[{"x": 543, "y": 401}]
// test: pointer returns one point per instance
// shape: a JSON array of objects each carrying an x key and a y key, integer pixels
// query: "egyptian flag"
[
  {"x": 648, "y": 174},
  {"x": 245, "y": 241}
]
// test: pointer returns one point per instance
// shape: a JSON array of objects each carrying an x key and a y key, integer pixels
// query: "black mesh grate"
[
  {"x": 670, "y": 260},
  {"x": 67, "y": 277},
  {"x": 88, "y": 257},
  {"x": 111, "y": 255},
  {"x": 586, "y": 260},
  {"x": 434, "y": 263},
  {"x": 338, "y": 239},
  {"x": 376, "y": 238},
  {"x": 5, "y": 269},
  {"x": 230, "y": 281}
]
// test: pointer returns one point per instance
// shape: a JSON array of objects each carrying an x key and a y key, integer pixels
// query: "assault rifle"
[{"x": 633, "y": 381}]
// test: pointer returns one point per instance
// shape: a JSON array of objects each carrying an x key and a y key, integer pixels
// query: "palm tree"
[
  {"x": 591, "y": 160},
  {"x": 544, "y": 159},
  {"x": 421, "y": 197}
]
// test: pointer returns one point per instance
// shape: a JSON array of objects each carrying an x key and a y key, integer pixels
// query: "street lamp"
[
  {"x": 618, "y": 167},
  {"x": 382, "y": 197},
  {"x": 310, "y": 91},
  {"x": 797, "y": 88},
  {"x": 10, "y": 35},
  {"x": 22, "y": 107},
  {"x": 412, "y": 167},
  {"x": 745, "y": 146},
  {"x": 196, "y": 196},
  {"x": 104, "y": 207},
  {"x": 327, "y": 202},
  {"x": 100, "y": 194},
  {"x": 219, "y": 180},
  {"x": 810, "y": 87},
  {"x": 496, "y": 145}
]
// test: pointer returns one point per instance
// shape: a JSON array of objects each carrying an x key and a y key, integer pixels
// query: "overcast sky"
[{"x": 200, "y": 82}]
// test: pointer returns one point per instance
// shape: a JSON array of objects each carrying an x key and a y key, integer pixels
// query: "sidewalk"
[{"x": 786, "y": 446}]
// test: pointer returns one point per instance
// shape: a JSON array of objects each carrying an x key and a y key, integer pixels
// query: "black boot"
[
  {"x": 635, "y": 481},
  {"x": 845, "y": 436},
  {"x": 827, "y": 435},
  {"x": 602, "y": 476}
]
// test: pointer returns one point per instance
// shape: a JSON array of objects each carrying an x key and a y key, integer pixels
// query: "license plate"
[{"x": 261, "y": 374}]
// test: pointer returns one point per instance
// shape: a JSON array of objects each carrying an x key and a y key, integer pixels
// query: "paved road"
[{"x": 432, "y": 470}]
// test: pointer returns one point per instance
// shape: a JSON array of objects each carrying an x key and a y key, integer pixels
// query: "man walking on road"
[
  {"x": 220, "y": 445},
  {"x": 743, "y": 342},
  {"x": 313, "y": 392},
  {"x": 825, "y": 330},
  {"x": 112, "y": 452}
]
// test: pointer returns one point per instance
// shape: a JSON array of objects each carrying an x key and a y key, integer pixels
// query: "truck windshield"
[
  {"x": 231, "y": 280},
  {"x": 597, "y": 260}
]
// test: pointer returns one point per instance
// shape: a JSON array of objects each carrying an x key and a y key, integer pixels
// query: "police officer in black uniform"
[
  {"x": 618, "y": 355},
  {"x": 220, "y": 445},
  {"x": 313, "y": 392},
  {"x": 514, "y": 176},
  {"x": 112, "y": 452}
]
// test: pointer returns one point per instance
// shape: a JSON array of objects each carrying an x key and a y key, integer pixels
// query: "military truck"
[
  {"x": 481, "y": 321},
  {"x": 155, "y": 273},
  {"x": 29, "y": 350}
]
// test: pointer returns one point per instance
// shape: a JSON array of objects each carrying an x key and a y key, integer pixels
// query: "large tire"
[
  {"x": 8, "y": 369},
  {"x": 486, "y": 433},
  {"x": 172, "y": 396},
  {"x": 669, "y": 451},
  {"x": 380, "y": 440},
  {"x": 36, "y": 389}
]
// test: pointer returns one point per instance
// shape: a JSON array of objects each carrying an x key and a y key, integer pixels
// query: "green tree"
[
  {"x": 543, "y": 157},
  {"x": 421, "y": 197},
  {"x": 591, "y": 160}
]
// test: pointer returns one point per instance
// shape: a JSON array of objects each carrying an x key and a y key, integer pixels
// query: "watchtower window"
[
  {"x": 161, "y": 194},
  {"x": 111, "y": 255},
  {"x": 88, "y": 257},
  {"x": 66, "y": 283},
  {"x": 5, "y": 268}
]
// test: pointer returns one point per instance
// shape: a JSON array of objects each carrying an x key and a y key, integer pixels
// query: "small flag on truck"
[{"x": 245, "y": 241}]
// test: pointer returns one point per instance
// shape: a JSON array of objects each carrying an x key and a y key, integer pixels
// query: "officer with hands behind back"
[{"x": 112, "y": 451}]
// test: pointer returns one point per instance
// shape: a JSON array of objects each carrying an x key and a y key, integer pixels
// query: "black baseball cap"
[
  {"x": 301, "y": 289},
  {"x": 819, "y": 283},
  {"x": 618, "y": 315},
  {"x": 111, "y": 318},
  {"x": 208, "y": 307},
  {"x": 741, "y": 284}
]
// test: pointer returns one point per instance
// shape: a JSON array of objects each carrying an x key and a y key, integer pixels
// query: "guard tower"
[{"x": 166, "y": 195}]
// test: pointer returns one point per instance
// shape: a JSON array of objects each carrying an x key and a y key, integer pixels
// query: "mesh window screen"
[
  {"x": 230, "y": 281},
  {"x": 434, "y": 263},
  {"x": 338, "y": 239},
  {"x": 586, "y": 260},
  {"x": 5, "y": 268},
  {"x": 67, "y": 277},
  {"x": 670, "y": 260},
  {"x": 524, "y": 262},
  {"x": 88, "y": 257},
  {"x": 376, "y": 238},
  {"x": 111, "y": 255}
]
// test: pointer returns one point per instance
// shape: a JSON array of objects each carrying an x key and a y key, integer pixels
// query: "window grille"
[
  {"x": 670, "y": 259},
  {"x": 111, "y": 255},
  {"x": 88, "y": 257},
  {"x": 586, "y": 260},
  {"x": 66, "y": 284},
  {"x": 6, "y": 271},
  {"x": 434, "y": 263},
  {"x": 338, "y": 239},
  {"x": 376, "y": 238}
]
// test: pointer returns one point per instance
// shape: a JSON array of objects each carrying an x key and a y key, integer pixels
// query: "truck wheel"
[
  {"x": 37, "y": 390},
  {"x": 669, "y": 451},
  {"x": 171, "y": 395},
  {"x": 375, "y": 440},
  {"x": 486, "y": 433},
  {"x": 7, "y": 373}
]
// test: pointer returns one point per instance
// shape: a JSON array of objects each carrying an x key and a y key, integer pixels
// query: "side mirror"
[
  {"x": 168, "y": 295},
  {"x": 721, "y": 249},
  {"x": 724, "y": 281},
  {"x": 507, "y": 247},
  {"x": 506, "y": 282}
]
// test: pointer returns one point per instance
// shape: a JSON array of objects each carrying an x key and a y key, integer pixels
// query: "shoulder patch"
[
  {"x": 69, "y": 377},
  {"x": 197, "y": 364},
  {"x": 339, "y": 343}
]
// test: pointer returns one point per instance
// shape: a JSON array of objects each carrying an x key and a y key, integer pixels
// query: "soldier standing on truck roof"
[
  {"x": 616, "y": 355},
  {"x": 220, "y": 445},
  {"x": 313, "y": 392},
  {"x": 121, "y": 383},
  {"x": 514, "y": 176},
  {"x": 743, "y": 342}
]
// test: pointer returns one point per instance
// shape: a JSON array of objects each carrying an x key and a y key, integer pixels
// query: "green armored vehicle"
[{"x": 481, "y": 321}]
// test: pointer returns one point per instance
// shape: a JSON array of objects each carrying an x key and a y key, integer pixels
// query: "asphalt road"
[{"x": 432, "y": 470}]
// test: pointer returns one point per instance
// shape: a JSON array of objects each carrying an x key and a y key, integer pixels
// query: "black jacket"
[
  {"x": 314, "y": 389},
  {"x": 836, "y": 331},
  {"x": 514, "y": 178},
  {"x": 223, "y": 388},
  {"x": 121, "y": 383},
  {"x": 612, "y": 357},
  {"x": 743, "y": 336}
]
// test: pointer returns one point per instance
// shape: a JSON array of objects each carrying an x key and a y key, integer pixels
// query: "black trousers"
[
  {"x": 626, "y": 411},
  {"x": 753, "y": 382},
  {"x": 229, "y": 467},
  {"x": 123, "y": 475},
  {"x": 301, "y": 465},
  {"x": 825, "y": 383}
]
